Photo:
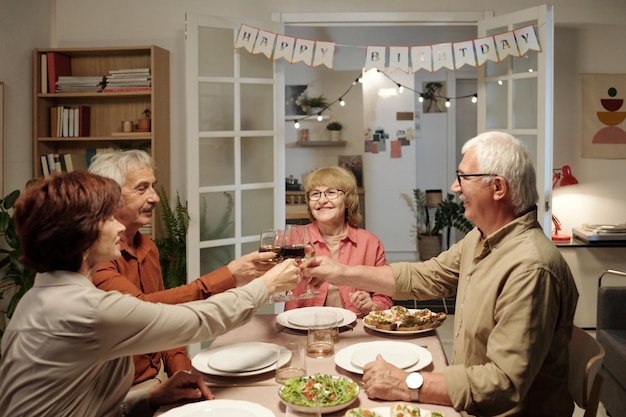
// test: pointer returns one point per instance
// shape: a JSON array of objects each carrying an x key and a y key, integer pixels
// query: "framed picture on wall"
[{"x": 292, "y": 94}]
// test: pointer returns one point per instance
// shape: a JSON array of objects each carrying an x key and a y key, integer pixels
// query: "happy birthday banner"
[{"x": 451, "y": 55}]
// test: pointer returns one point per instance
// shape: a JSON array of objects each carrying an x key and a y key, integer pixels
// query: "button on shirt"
[{"x": 514, "y": 315}]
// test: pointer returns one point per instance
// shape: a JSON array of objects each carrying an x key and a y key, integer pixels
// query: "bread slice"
[
  {"x": 404, "y": 410},
  {"x": 361, "y": 412}
]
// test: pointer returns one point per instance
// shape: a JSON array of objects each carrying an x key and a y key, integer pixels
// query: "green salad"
[{"x": 324, "y": 389}]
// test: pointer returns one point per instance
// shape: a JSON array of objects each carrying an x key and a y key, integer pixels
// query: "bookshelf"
[{"x": 109, "y": 109}]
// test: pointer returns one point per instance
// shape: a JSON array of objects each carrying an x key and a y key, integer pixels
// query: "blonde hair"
[{"x": 342, "y": 179}]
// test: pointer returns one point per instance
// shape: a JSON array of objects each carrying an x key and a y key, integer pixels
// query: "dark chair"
[{"x": 611, "y": 333}]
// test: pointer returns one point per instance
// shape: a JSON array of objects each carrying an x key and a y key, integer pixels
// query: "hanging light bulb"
[
  {"x": 400, "y": 88},
  {"x": 319, "y": 117},
  {"x": 475, "y": 98},
  {"x": 447, "y": 102},
  {"x": 296, "y": 124},
  {"x": 421, "y": 98},
  {"x": 342, "y": 102},
  {"x": 360, "y": 79},
  {"x": 500, "y": 82}
]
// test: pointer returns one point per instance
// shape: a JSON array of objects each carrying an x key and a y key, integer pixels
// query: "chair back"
[{"x": 585, "y": 360}]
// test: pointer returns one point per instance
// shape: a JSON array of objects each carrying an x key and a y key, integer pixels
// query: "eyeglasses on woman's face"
[
  {"x": 331, "y": 194},
  {"x": 460, "y": 176}
]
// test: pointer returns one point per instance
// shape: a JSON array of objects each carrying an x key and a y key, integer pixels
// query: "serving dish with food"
[
  {"x": 330, "y": 393},
  {"x": 402, "y": 320}
]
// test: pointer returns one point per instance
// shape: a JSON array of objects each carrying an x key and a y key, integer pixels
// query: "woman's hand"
[
  {"x": 363, "y": 301},
  {"x": 180, "y": 386},
  {"x": 282, "y": 277},
  {"x": 323, "y": 268}
]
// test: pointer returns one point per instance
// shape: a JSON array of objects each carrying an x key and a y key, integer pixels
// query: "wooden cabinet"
[{"x": 109, "y": 109}]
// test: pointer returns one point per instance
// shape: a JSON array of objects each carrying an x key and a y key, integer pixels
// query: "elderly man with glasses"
[{"x": 515, "y": 296}]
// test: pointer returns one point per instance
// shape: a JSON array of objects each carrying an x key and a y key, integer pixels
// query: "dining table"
[{"x": 263, "y": 389}]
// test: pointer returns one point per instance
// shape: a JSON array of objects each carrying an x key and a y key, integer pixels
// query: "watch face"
[{"x": 414, "y": 380}]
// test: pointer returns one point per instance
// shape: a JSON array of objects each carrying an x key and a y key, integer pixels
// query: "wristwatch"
[{"x": 414, "y": 381}]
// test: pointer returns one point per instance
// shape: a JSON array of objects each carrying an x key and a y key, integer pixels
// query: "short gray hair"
[
  {"x": 502, "y": 154},
  {"x": 118, "y": 164}
]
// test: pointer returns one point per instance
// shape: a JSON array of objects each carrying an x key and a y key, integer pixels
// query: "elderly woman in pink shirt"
[{"x": 333, "y": 205}]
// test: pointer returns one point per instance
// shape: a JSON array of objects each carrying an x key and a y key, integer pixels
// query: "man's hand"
[
  {"x": 250, "y": 266},
  {"x": 323, "y": 268},
  {"x": 385, "y": 381},
  {"x": 181, "y": 386}
]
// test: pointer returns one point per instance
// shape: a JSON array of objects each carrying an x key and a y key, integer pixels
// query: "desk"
[{"x": 263, "y": 328}]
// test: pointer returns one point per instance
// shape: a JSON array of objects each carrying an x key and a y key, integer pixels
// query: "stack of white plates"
[{"x": 241, "y": 359}]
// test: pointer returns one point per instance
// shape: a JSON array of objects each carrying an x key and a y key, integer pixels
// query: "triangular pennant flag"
[
  {"x": 284, "y": 47},
  {"x": 526, "y": 38},
  {"x": 421, "y": 57},
  {"x": 485, "y": 50},
  {"x": 443, "y": 56},
  {"x": 303, "y": 51},
  {"x": 324, "y": 54},
  {"x": 464, "y": 54},
  {"x": 246, "y": 37},
  {"x": 506, "y": 45},
  {"x": 399, "y": 58},
  {"x": 375, "y": 57},
  {"x": 264, "y": 43}
]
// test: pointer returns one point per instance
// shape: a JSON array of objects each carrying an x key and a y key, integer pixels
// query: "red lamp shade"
[{"x": 564, "y": 177}]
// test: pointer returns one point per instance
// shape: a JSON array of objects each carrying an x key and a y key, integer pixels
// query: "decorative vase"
[
  {"x": 335, "y": 135},
  {"x": 144, "y": 125},
  {"x": 428, "y": 246}
]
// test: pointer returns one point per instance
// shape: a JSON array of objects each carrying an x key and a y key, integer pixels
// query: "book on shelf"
[
  {"x": 130, "y": 71},
  {"x": 74, "y": 84},
  {"x": 44, "y": 73},
  {"x": 125, "y": 89},
  {"x": 58, "y": 65},
  {"x": 44, "y": 166},
  {"x": 70, "y": 121},
  {"x": 50, "y": 160},
  {"x": 74, "y": 162}
]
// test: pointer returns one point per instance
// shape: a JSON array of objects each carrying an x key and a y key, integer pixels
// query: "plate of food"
[
  {"x": 233, "y": 364},
  {"x": 396, "y": 410},
  {"x": 220, "y": 408},
  {"x": 400, "y": 320},
  {"x": 343, "y": 358},
  {"x": 331, "y": 392},
  {"x": 301, "y": 318}
]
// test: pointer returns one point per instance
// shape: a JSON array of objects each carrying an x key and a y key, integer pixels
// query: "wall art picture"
[
  {"x": 603, "y": 114},
  {"x": 292, "y": 93},
  {"x": 434, "y": 95}
]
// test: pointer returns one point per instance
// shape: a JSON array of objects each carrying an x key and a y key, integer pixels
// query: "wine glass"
[
  {"x": 297, "y": 244},
  {"x": 271, "y": 241}
]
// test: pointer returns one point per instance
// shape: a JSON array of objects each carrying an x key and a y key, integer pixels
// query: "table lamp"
[{"x": 561, "y": 177}]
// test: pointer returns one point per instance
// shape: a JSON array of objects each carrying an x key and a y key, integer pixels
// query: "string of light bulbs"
[{"x": 401, "y": 88}]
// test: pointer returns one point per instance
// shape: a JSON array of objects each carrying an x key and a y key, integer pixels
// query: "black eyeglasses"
[
  {"x": 330, "y": 194},
  {"x": 459, "y": 176}
]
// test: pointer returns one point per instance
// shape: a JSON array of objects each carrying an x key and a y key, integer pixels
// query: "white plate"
[
  {"x": 201, "y": 361},
  {"x": 324, "y": 410},
  {"x": 342, "y": 358},
  {"x": 386, "y": 411},
  {"x": 285, "y": 319},
  {"x": 243, "y": 358},
  {"x": 400, "y": 354},
  {"x": 219, "y": 408}
]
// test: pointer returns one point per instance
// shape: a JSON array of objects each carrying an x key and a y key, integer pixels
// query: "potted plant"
[
  {"x": 144, "y": 123},
  {"x": 448, "y": 215},
  {"x": 313, "y": 104},
  {"x": 335, "y": 130},
  {"x": 173, "y": 247},
  {"x": 16, "y": 278}
]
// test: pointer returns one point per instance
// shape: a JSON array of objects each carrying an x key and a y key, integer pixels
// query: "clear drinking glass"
[{"x": 271, "y": 241}]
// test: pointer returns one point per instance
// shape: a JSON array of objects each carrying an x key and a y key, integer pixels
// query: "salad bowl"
[{"x": 333, "y": 393}]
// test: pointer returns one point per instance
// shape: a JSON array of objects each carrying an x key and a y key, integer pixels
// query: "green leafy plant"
[
  {"x": 448, "y": 214},
  {"x": 15, "y": 272},
  {"x": 334, "y": 126},
  {"x": 173, "y": 247}
]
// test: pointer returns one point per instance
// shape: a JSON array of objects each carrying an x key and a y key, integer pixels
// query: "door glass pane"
[
  {"x": 217, "y": 215},
  {"x": 496, "y": 105},
  {"x": 217, "y": 161},
  {"x": 531, "y": 143},
  {"x": 212, "y": 43},
  {"x": 525, "y": 103},
  {"x": 257, "y": 66},
  {"x": 257, "y": 208},
  {"x": 493, "y": 69},
  {"x": 214, "y": 258},
  {"x": 253, "y": 115},
  {"x": 216, "y": 106},
  {"x": 249, "y": 246},
  {"x": 526, "y": 63},
  {"x": 257, "y": 159}
]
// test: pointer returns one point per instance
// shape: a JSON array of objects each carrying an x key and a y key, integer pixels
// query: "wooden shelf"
[
  {"x": 108, "y": 109},
  {"x": 317, "y": 143},
  {"x": 306, "y": 118}
]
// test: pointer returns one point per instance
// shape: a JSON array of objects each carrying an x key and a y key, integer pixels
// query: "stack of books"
[
  {"x": 74, "y": 83},
  {"x": 123, "y": 80},
  {"x": 70, "y": 122},
  {"x": 65, "y": 162}
]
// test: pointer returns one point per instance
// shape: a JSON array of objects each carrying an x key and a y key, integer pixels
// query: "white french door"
[
  {"x": 516, "y": 96},
  {"x": 235, "y": 148}
]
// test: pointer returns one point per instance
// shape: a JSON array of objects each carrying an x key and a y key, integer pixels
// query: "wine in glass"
[
  {"x": 297, "y": 244},
  {"x": 271, "y": 241}
]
